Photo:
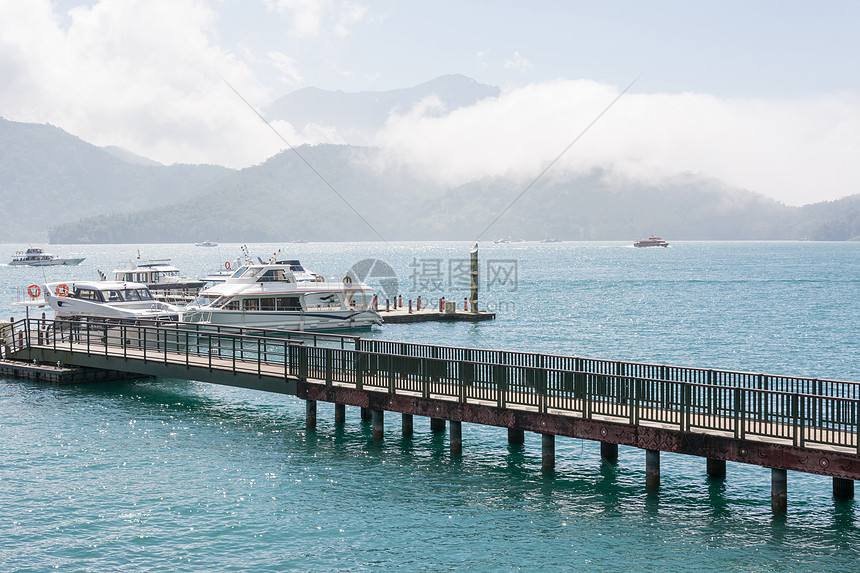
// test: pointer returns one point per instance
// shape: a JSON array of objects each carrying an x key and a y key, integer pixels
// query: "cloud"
[
  {"x": 518, "y": 63},
  {"x": 141, "y": 75},
  {"x": 797, "y": 151},
  {"x": 313, "y": 18}
]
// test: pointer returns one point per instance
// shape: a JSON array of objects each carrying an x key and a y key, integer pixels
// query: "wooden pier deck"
[{"x": 780, "y": 422}]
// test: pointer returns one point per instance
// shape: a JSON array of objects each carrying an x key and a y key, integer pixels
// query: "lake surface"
[{"x": 177, "y": 475}]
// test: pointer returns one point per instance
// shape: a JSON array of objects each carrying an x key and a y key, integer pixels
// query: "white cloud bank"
[
  {"x": 146, "y": 76},
  {"x": 795, "y": 151}
]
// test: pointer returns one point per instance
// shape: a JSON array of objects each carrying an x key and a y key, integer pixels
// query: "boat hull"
[
  {"x": 335, "y": 319},
  {"x": 48, "y": 263}
]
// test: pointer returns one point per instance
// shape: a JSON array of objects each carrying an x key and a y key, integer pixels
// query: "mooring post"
[
  {"x": 310, "y": 414},
  {"x": 652, "y": 470},
  {"x": 547, "y": 451},
  {"x": 437, "y": 425},
  {"x": 843, "y": 488},
  {"x": 716, "y": 468},
  {"x": 455, "y": 433},
  {"x": 516, "y": 436},
  {"x": 378, "y": 425},
  {"x": 407, "y": 424},
  {"x": 365, "y": 414},
  {"x": 778, "y": 490},
  {"x": 340, "y": 413},
  {"x": 608, "y": 452}
]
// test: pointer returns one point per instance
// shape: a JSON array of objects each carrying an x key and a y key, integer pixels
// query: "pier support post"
[
  {"x": 310, "y": 414},
  {"x": 516, "y": 436},
  {"x": 716, "y": 468},
  {"x": 778, "y": 490},
  {"x": 365, "y": 414},
  {"x": 340, "y": 414},
  {"x": 547, "y": 451},
  {"x": 406, "y": 425},
  {"x": 608, "y": 452},
  {"x": 652, "y": 470},
  {"x": 378, "y": 425},
  {"x": 843, "y": 488},
  {"x": 455, "y": 428},
  {"x": 437, "y": 425}
]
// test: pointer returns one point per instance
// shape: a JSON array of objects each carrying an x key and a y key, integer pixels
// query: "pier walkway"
[{"x": 780, "y": 422}]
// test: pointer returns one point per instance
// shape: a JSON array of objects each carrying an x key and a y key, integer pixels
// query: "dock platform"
[
  {"x": 405, "y": 316},
  {"x": 60, "y": 375}
]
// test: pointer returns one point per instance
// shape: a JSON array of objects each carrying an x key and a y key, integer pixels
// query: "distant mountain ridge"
[
  {"x": 49, "y": 177},
  {"x": 357, "y": 116},
  {"x": 54, "y": 185}
]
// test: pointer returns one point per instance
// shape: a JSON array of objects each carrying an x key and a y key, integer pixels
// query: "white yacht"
[
  {"x": 107, "y": 299},
  {"x": 162, "y": 279},
  {"x": 282, "y": 295},
  {"x": 36, "y": 257}
]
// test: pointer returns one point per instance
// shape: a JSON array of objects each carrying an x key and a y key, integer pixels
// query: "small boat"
[
  {"x": 206, "y": 244},
  {"x": 36, "y": 257},
  {"x": 651, "y": 242},
  {"x": 282, "y": 295},
  {"x": 116, "y": 300},
  {"x": 162, "y": 279}
]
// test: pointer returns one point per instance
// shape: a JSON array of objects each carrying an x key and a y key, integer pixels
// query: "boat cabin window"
[
  {"x": 267, "y": 303},
  {"x": 88, "y": 294},
  {"x": 210, "y": 300},
  {"x": 273, "y": 275},
  {"x": 112, "y": 296},
  {"x": 128, "y": 277},
  {"x": 141, "y": 278},
  {"x": 131, "y": 294},
  {"x": 232, "y": 305},
  {"x": 289, "y": 303},
  {"x": 144, "y": 294},
  {"x": 251, "y": 304},
  {"x": 154, "y": 275}
]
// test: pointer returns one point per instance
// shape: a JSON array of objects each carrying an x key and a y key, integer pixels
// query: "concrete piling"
[
  {"x": 437, "y": 425},
  {"x": 516, "y": 436},
  {"x": 406, "y": 425},
  {"x": 547, "y": 451},
  {"x": 365, "y": 414},
  {"x": 456, "y": 436},
  {"x": 778, "y": 490},
  {"x": 310, "y": 414},
  {"x": 378, "y": 425},
  {"x": 716, "y": 468},
  {"x": 340, "y": 414},
  {"x": 608, "y": 452},
  {"x": 843, "y": 488},
  {"x": 652, "y": 470}
]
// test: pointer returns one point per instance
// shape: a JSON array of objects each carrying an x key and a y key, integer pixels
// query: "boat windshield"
[
  {"x": 245, "y": 272},
  {"x": 213, "y": 301}
]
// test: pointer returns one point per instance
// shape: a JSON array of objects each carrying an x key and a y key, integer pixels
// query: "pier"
[{"x": 779, "y": 422}]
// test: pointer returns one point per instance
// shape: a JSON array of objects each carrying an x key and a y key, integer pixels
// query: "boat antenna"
[
  {"x": 300, "y": 156},
  {"x": 559, "y": 156}
]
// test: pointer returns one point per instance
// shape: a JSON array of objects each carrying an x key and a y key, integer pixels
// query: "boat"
[
  {"x": 206, "y": 244},
  {"x": 36, "y": 257},
  {"x": 162, "y": 279},
  {"x": 282, "y": 295},
  {"x": 651, "y": 242},
  {"x": 114, "y": 300}
]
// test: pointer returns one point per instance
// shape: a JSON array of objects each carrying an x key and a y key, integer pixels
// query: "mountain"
[
  {"x": 48, "y": 177},
  {"x": 284, "y": 200},
  {"x": 357, "y": 116}
]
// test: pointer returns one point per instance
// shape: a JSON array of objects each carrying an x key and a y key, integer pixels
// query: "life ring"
[
  {"x": 62, "y": 290},
  {"x": 227, "y": 265},
  {"x": 347, "y": 279},
  {"x": 320, "y": 279},
  {"x": 34, "y": 291}
]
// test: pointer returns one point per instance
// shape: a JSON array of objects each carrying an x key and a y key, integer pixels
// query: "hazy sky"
[{"x": 762, "y": 95}]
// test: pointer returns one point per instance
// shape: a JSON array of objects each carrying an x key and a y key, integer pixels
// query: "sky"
[{"x": 762, "y": 95}]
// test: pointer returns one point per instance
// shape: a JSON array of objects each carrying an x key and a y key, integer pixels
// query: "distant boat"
[
  {"x": 551, "y": 241},
  {"x": 36, "y": 257},
  {"x": 206, "y": 244},
  {"x": 651, "y": 242},
  {"x": 508, "y": 240}
]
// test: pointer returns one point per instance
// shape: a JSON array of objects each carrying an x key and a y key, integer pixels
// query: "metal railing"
[{"x": 796, "y": 410}]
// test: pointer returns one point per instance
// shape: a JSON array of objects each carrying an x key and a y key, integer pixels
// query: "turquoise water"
[{"x": 176, "y": 475}]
